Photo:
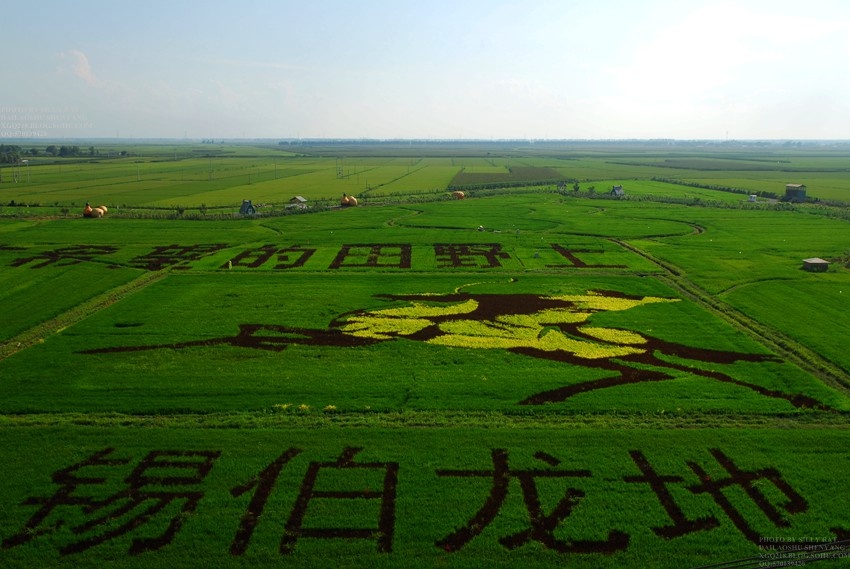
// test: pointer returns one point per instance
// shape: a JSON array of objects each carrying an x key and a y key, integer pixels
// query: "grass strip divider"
[
  {"x": 409, "y": 419},
  {"x": 40, "y": 332}
]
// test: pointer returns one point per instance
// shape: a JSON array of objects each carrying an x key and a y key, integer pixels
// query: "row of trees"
[
  {"x": 12, "y": 154},
  {"x": 52, "y": 150},
  {"x": 761, "y": 194}
]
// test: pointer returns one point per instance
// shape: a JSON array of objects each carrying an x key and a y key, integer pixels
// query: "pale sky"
[{"x": 492, "y": 69}]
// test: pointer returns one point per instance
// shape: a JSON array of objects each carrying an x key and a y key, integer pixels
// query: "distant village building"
[
  {"x": 297, "y": 202},
  {"x": 795, "y": 193},
  {"x": 618, "y": 191},
  {"x": 247, "y": 208},
  {"x": 815, "y": 265}
]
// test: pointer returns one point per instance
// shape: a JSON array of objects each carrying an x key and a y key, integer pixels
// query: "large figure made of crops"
[{"x": 554, "y": 327}]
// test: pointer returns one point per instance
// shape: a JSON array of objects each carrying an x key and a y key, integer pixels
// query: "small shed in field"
[
  {"x": 247, "y": 208},
  {"x": 795, "y": 193},
  {"x": 815, "y": 265},
  {"x": 618, "y": 191}
]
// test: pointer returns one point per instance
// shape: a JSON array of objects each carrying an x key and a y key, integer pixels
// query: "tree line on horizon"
[{"x": 13, "y": 154}]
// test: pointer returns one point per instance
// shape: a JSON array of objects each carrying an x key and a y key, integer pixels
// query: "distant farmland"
[{"x": 218, "y": 176}]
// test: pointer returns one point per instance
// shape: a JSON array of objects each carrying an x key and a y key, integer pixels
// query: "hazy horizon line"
[{"x": 217, "y": 140}]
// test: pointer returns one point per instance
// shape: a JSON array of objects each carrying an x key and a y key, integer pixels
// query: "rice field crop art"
[
  {"x": 522, "y": 378},
  {"x": 568, "y": 330}
]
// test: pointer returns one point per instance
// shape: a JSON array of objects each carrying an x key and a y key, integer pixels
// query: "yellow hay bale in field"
[
  {"x": 96, "y": 212},
  {"x": 103, "y": 207},
  {"x": 352, "y": 201}
]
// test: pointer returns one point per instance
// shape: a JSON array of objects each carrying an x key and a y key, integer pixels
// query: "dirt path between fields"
[{"x": 779, "y": 343}]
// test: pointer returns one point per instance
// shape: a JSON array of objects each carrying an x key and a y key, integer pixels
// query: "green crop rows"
[{"x": 538, "y": 375}]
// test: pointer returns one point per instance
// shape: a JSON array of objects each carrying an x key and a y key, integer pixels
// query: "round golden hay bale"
[
  {"x": 103, "y": 207},
  {"x": 352, "y": 201},
  {"x": 96, "y": 212},
  {"x": 458, "y": 195}
]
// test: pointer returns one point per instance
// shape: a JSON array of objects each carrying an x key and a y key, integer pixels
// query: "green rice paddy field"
[{"x": 533, "y": 376}]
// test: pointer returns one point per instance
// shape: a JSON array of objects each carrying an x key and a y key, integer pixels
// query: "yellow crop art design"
[{"x": 460, "y": 324}]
